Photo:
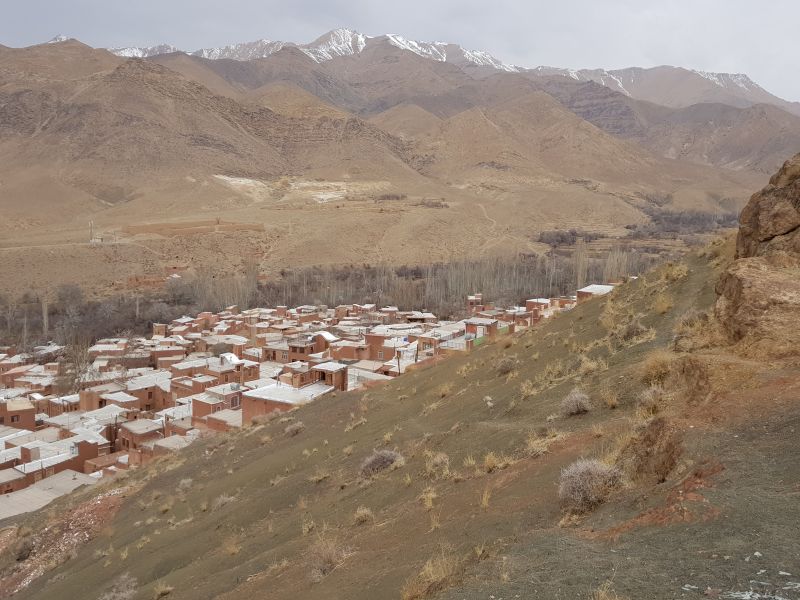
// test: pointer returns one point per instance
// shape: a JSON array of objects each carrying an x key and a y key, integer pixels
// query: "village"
[{"x": 138, "y": 399}]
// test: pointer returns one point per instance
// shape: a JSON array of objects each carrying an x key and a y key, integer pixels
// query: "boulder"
[
  {"x": 758, "y": 304},
  {"x": 771, "y": 220}
]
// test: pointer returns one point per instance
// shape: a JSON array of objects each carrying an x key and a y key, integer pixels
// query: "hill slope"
[{"x": 706, "y": 472}]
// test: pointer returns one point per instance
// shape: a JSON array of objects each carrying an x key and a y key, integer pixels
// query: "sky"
[{"x": 760, "y": 39}]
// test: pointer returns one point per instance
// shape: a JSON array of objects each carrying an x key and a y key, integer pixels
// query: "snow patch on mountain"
[
  {"x": 144, "y": 52},
  {"x": 339, "y": 42},
  {"x": 244, "y": 51},
  {"x": 336, "y": 43},
  {"x": 725, "y": 80},
  {"x": 58, "y": 39},
  {"x": 435, "y": 50}
]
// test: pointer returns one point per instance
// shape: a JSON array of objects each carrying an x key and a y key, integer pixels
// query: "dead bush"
[
  {"x": 652, "y": 452},
  {"x": 605, "y": 592},
  {"x": 651, "y": 400},
  {"x": 691, "y": 376},
  {"x": 23, "y": 549},
  {"x": 363, "y": 515},
  {"x": 586, "y": 483},
  {"x": 575, "y": 403},
  {"x": 438, "y": 573},
  {"x": 656, "y": 367},
  {"x": 294, "y": 428},
  {"x": 326, "y": 554},
  {"x": 222, "y": 500},
  {"x": 124, "y": 587},
  {"x": 505, "y": 365},
  {"x": 380, "y": 460}
]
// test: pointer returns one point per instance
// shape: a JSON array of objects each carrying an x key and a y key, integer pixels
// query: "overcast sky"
[{"x": 761, "y": 39}]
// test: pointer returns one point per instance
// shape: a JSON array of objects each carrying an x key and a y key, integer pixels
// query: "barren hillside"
[{"x": 460, "y": 480}]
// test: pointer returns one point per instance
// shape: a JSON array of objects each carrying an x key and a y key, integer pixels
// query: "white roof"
[
  {"x": 597, "y": 289},
  {"x": 330, "y": 367},
  {"x": 287, "y": 394}
]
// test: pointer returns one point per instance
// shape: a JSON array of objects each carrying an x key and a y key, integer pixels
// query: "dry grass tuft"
[
  {"x": 354, "y": 423},
  {"x": 363, "y": 515},
  {"x": 662, "y": 304},
  {"x": 437, "y": 574},
  {"x": 575, "y": 403},
  {"x": 494, "y": 462},
  {"x": 486, "y": 497},
  {"x": 656, "y": 367},
  {"x": 437, "y": 465},
  {"x": 326, "y": 554},
  {"x": 445, "y": 389},
  {"x": 651, "y": 401},
  {"x": 506, "y": 365},
  {"x": 427, "y": 497},
  {"x": 161, "y": 590},
  {"x": 222, "y": 500},
  {"x": 294, "y": 428},
  {"x": 586, "y": 483},
  {"x": 605, "y": 592},
  {"x": 380, "y": 460}
]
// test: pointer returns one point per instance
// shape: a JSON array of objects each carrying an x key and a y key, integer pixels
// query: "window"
[
  {"x": 15, "y": 418},
  {"x": 2, "y": 420},
  {"x": 380, "y": 354}
]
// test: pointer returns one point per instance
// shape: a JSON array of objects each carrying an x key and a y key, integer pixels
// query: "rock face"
[
  {"x": 759, "y": 294},
  {"x": 771, "y": 220}
]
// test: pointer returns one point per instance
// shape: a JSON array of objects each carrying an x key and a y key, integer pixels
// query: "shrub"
[
  {"x": 651, "y": 400},
  {"x": 222, "y": 500},
  {"x": 185, "y": 484},
  {"x": 505, "y": 365},
  {"x": 586, "y": 483},
  {"x": 380, "y": 460},
  {"x": 294, "y": 428},
  {"x": 437, "y": 573},
  {"x": 326, "y": 553},
  {"x": 575, "y": 403},
  {"x": 651, "y": 451},
  {"x": 161, "y": 590},
  {"x": 363, "y": 515},
  {"x": 656, "y": 367}
]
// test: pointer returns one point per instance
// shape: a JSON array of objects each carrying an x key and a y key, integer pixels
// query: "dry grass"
[
  {"x": 494, "y": 462},
  {"x": 662, "y": 304},
  {"x": 575, "y": 403},
  {"x": 231, "y": 546},
  {"x": 427, "y": 497},
  {"x": 673, "y": 272},
  {"x": 363, "y": 515},
  {"x": 445, "y": 389},
  {"x": 486, "y": 498},
  {"x": 605, "y": 592},
  {"x": 319, "y": 475},
  {"x": 656, "y": 367},
  {"x": 162, "y": 590},
  {"x": 651, "y": 401},
  {"x": 437, "y": 465},
  {"x": 294, "y": 428},
  {"x": 355, "y": 423},
  {"x": 222, "y": 500},
  {"x": 506, "y": 365},
  {"x": 380, "y": 460},
  {"x": 326, "y": 554},
  {"x": 586, "y": 483},
  {"x": 438, "y": 573}
]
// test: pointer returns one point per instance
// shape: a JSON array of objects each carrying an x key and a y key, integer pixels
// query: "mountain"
[
  {"x": 674, "y": 87},
  {"x": 335, "y": 43},
  {"x": 677, "y": 87}
]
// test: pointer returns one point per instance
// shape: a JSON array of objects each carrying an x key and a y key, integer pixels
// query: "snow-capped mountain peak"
[
  {"x": 338, "y": 42},
  {"x": 725, "y": 80},
  {"x": 335, "y": 43},
  {"x": 58, "y": 39}
]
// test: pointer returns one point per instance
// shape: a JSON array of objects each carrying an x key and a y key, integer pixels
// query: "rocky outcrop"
[
  {"x": 771, "y": 220},
  {"x": 759, "y": 294}
]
